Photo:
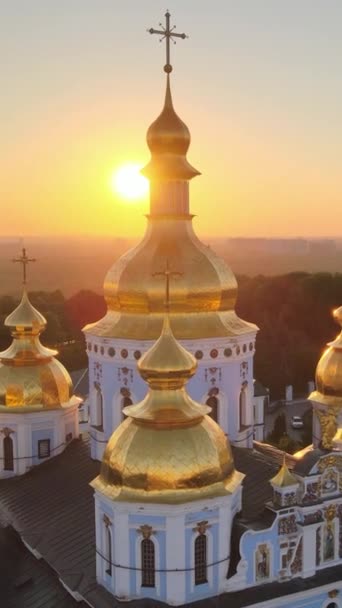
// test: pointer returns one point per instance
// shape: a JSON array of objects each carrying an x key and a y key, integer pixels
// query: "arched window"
[
  {"x": 212, "y": 401},
  {"x": 126, "y": 400},
  {"x": 98, "y": 408},
  {"x": 147, "y": 563},
  {"x": 201, "y": 560},
  {"x": 8, "y": 453},
  {"x": 242, "y": 407},
  {"x": 108, "y": 551}
]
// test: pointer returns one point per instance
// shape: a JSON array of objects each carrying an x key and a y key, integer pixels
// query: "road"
[{"x": 293, "y": 408}]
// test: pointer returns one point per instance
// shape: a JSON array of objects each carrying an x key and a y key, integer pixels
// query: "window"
[
  {"x": 201, "y": 559},
  {"x": 213, "y": 403},
  {"x": 97, "y": 420},
  {"x": 126, "y": 400},
  {"x": 108, "y": 551},
  {"x": 8, "y": 453},
  {"x": 44, "y": 448},
  {"x": 242, "y": 406},
  {"x": 147, "y": 563}
]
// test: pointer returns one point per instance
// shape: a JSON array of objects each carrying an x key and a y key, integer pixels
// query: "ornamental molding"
[
  {"x": 330, "y": 513},
  {"x": 106, "y": 520},
  {"x": 202, "y": 527},
  {"x": 146, "y": 531},
  {"x": 6, "y": 431}
]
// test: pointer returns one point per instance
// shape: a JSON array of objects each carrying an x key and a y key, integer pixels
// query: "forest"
[{"x": 292, "y": 311}]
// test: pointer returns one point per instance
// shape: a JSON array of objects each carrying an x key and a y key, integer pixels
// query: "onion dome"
[
  {"x": 167, "y": 450},
  {"x": 329, "y": 371},
  {"x": 205, "y": 294},
  {"x": 30, "y": 377},
  {"x": 283, "y": 478},
  {"x": 168, "y": 139}
]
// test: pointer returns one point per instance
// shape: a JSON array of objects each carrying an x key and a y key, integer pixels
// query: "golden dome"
[
  {"x": 284, "y": 478},
  {"x": 168, "y": 139},
  {"x": 329, "y": 371},
  {"x": 26, "y": 316},
  {"x": 30, "y": 377},
  {"x": 167, "y": 450},
  {"x": 203, "y": 298}
]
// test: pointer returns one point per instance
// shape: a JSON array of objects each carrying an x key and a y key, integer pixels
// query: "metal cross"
[
  {"x": 168, "y": 274},
  {"x": 24, "y": 260},
  {"x": 168, "y": 34}
]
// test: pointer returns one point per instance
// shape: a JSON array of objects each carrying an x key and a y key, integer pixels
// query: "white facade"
[
  {"x": 224, "y": 377},
  {"x": 29, "y": 438},
  {"x": 171, "y": 531}
]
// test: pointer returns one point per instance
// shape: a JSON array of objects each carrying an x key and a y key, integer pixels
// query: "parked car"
[{"x": 297, "y": 422}]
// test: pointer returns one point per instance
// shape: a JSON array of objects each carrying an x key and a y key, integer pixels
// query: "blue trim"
[
  {"x": 197, "y": 592},
  {"x": 204, "y": 515},
  {"x": 141, "y": 519},
  {"x": 135, "y": 575}
]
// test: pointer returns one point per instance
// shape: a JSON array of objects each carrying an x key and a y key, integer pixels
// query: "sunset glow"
[{"x": 128, "y": 182}]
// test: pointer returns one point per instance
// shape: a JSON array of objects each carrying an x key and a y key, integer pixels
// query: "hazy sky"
[{"x": 258, "y": 82}]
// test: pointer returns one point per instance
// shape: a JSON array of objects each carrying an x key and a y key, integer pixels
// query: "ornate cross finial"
[
  {"x": 168, "y": 274},
  {"x": 24, "y": 260},
  {"x": 168, "y": 34}
]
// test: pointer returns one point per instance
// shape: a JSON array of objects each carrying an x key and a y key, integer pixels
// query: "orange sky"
[{"x": 266, "y": 130}]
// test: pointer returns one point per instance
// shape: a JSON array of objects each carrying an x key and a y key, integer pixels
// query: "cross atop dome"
[
  {"x": 167, "y": 34},
  {"x": 167, "y": 274},
  {"x": 24, "y": 260}
]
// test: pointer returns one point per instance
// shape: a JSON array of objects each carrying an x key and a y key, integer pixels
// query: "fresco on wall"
[
  {"x": 262, "y": 562},
  {"x": 329, "y": 481}
]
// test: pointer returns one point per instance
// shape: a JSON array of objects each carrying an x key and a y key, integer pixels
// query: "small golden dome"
[
  {"x": 168, "y": 139},
  {"x": 26, "y": 316},
  {"x": 167, "y": 450},
  {"x": 284, "y": 478},
  {"x": 329, "y": 371},
  {"x": 167, "y": 364},
  {"x": 30, "y": 377}
]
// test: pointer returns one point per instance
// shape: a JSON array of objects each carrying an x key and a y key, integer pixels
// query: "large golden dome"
[
  {"x": 167, "y": 450},
  {"x": 329, "y": 371},
  {"x": 30, "y": 377},
  {"x": 204, "y": 296}
]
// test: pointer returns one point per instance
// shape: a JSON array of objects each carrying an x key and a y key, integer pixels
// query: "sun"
[{"x": 128, "y": 182}]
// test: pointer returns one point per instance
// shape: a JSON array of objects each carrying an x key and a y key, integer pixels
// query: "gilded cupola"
[
  {"x": 168, "y": 450},
  {"x": 284, "y": 478},
  {"x": 205, "y": 292},
  {"x": 329, "y": 371},
  {"x": 30, "y": 377},
  {"x": 168, "y": 139}
]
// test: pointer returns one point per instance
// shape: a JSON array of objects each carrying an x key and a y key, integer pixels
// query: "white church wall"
[
  {"x": 28, "y": 429},
  {"x": 225, "y": 368},
  {"x": 173, "y": 530}
]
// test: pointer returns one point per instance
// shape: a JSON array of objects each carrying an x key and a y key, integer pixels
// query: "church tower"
[
  {"x": 202, "y": 314},
  {"x": 167, "y": 492},
  {"x": 38, "y": 411}
]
